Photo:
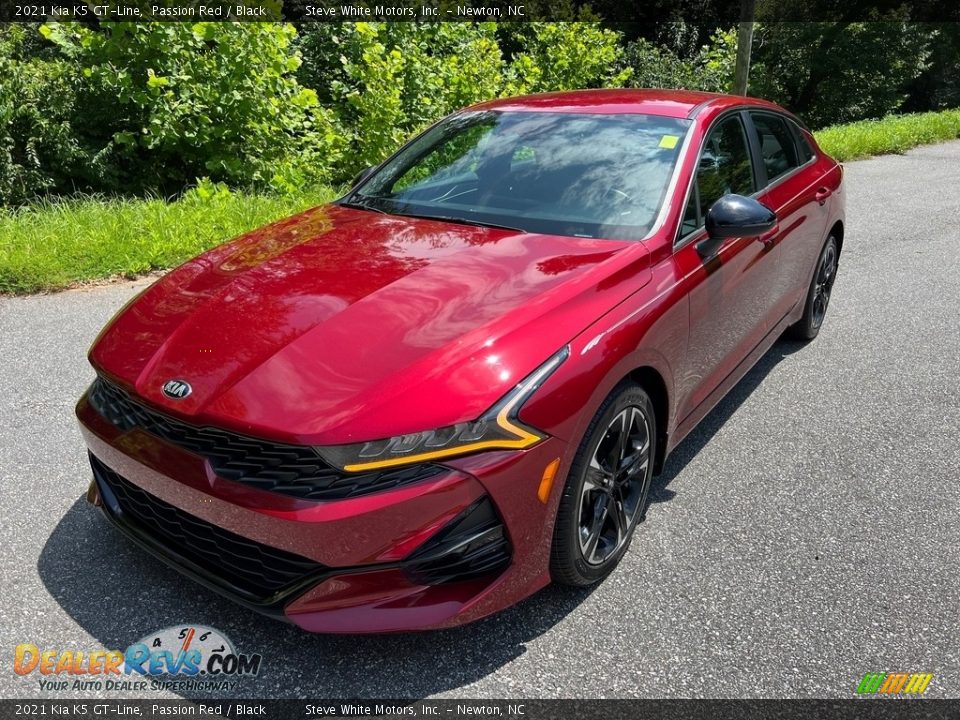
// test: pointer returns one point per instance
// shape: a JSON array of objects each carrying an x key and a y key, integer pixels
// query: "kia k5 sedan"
[{"x": 419, "y": 404}]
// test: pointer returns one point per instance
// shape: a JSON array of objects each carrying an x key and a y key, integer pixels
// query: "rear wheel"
[
  {"x": 818, "y": 296},
  {"x": 606, "y": 491}
]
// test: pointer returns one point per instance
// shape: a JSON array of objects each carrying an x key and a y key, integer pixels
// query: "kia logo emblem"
[{"x": 177, "y": 389}]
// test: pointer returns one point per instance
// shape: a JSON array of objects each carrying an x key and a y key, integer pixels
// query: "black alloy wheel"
[
  {"x": 606, "y": 491},
  {"x": 823, "y": 283},
  {"x": 818, "y": 296}
]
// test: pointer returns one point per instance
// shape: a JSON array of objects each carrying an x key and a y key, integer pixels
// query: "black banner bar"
[{"x": 717, "y": 12}]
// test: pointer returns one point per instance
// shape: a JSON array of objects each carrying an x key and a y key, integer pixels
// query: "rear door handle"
[{"x": 822, "y": 194}]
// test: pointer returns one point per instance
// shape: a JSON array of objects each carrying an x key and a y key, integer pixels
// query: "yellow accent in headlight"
[
  {"x": 524, "y": 439},
  {"x": 470, "y": 434}
]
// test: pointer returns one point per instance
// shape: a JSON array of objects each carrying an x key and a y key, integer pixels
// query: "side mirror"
[
  {"x": 739, "y": 216},
  {"x": 362, "y": 175}
]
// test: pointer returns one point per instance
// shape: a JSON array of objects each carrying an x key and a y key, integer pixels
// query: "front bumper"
[{"x": 439, "y": 552}]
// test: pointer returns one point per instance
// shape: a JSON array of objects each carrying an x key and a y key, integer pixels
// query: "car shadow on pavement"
[
  {"x": 118, "y": 594},
  {"x": 716, "y": 418}
]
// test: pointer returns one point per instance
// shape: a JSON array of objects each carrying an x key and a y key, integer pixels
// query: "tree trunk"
[{"x": 741, "y": 72}]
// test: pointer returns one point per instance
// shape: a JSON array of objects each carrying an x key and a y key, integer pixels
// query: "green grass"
[
  {"x": 54, "y": 245},
  {"x": 892, "y": 134}
]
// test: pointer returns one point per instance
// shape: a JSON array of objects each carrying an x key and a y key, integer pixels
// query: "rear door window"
[
  {"x": 803, "y": 145},
  {"x": 777, "y": 146}
]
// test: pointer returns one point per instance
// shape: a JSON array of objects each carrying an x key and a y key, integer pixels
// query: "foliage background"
[{"x": 151, "y": 109}]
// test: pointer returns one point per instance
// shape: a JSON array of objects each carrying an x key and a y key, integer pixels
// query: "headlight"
[{"x": 496, "y": 429}]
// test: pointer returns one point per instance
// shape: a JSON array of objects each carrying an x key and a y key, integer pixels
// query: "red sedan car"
[{"x": 417, "y": 405}]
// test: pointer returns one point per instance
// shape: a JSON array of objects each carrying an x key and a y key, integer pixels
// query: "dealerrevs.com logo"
[{"x": 178, "y": 658}]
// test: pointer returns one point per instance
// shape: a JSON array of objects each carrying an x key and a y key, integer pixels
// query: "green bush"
[
  {"x": 565, "y": 56},
  {"x": 134, "y": 108},
  {"x": 386, "y": 81},
  {"x": 710, "y": 69},
  {"x": 163, "y": 103},
  {"x": 37, "y": 144}
]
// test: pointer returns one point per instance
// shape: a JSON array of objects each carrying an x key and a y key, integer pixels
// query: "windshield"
[{"x": 558, "y": 173}]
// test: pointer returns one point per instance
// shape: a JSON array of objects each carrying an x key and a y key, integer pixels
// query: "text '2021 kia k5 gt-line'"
[{"x": 417, "y": 405}]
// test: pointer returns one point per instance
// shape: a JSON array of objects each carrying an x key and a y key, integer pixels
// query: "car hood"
[{"x": 339, "y": 325}]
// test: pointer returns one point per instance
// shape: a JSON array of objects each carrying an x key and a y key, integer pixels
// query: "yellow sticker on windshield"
[{"x": 669, "y": 141}]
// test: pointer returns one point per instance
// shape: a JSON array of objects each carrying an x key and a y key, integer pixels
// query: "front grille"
[
  {"x": 473, "y": 545},
  {"x": 294, "y": 470},
  {"x": 250, "y": 569}
]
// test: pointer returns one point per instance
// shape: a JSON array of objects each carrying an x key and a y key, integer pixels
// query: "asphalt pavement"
[{"x": 807, "y": 533}]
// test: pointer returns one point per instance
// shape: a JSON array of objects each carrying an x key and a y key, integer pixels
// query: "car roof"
[{"x": 618, "y": 101}]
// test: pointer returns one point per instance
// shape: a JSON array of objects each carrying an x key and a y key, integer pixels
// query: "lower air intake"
[
  {"x": 238, "y": 566},
  {"x": 473, "y": 545}
]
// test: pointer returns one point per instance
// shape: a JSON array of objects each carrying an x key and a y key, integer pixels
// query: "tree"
[
  {"x": 938, "y": 86},
  {"x": 833, "y": 72}
]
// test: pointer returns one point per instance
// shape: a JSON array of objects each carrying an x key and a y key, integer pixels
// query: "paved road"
[{"x": 807, "y": 533}]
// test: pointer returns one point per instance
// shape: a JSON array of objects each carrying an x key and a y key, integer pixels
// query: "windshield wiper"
[
  {"x": 361, "y": 206},
  {"x": 357, "y": 205},
  {"x": 463, "y": 221}
]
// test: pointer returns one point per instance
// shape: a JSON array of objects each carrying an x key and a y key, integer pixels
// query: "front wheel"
[
  {"x": 606, "y": 490},
  {"x": 818, "y": 296}
]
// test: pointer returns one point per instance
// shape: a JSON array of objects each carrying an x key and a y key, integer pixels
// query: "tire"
[
  {"x": 599, "y": 509},
  {"x": 818, "y": 296}
]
